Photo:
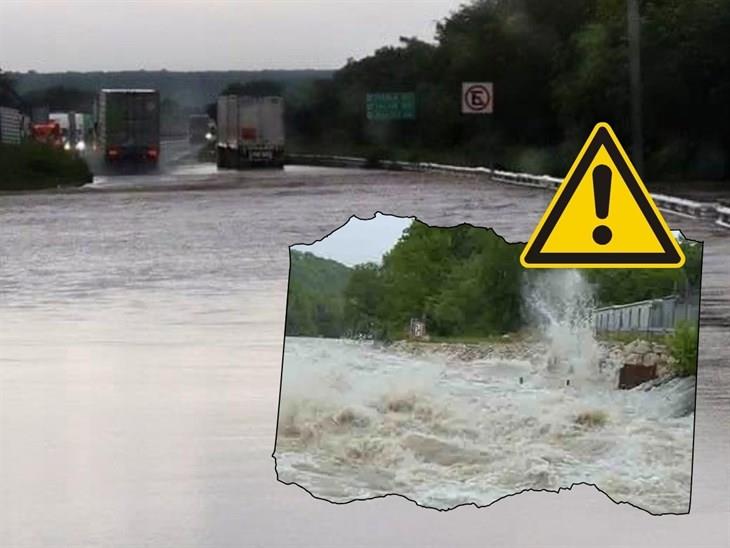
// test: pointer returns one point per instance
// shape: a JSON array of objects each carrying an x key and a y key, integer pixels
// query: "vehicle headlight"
[
  {"x": 80, "y": 146},
  {"x": 209, "y": 136}
]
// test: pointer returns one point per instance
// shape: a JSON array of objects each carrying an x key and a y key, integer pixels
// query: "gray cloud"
[{"x": 59, "y": 35}]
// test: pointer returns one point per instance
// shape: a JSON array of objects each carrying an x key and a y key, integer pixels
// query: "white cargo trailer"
[
  {"x": 11, "y": 126},
  {"x": 250, "y": 131}
]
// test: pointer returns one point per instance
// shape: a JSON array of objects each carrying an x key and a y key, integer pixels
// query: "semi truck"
[
  {"x": 48, "y": 134},
  {"x": 67, "y": 123},
  {"x": 127, "y": 126},
  {"x": 250, "y": 132},
  {"x": 75, "y": 129}
]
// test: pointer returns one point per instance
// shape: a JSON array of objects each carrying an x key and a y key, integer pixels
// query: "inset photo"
[{"x": 426, "y": 362}]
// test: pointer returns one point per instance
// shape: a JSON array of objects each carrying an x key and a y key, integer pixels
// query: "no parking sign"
[{"x": 477, "y": 98}]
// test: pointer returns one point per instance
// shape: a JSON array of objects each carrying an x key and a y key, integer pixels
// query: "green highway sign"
[{"x": 391, "y": 106}]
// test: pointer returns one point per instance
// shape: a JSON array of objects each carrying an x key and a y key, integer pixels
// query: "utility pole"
[{"x": 634, "y": 31}]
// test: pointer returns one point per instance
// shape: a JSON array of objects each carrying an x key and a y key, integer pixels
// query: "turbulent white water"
[
  {"x": 358, "y": 420},
  {"x": 559, "y": 303}
]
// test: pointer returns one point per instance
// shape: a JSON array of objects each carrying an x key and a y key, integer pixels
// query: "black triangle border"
[{"x": 535, "y": 255}]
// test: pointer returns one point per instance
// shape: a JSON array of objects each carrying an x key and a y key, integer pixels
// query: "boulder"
[{"x": 641, "y": 347}]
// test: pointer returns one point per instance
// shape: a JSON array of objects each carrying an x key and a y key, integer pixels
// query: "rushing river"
[
  {"x": 359, "y": 421},
  {"x": 140, "y": 356}
]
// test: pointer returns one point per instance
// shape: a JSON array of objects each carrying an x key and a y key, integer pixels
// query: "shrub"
[
  {"x": 683, "y": 349},
  {"x": 30, "y": 166}
]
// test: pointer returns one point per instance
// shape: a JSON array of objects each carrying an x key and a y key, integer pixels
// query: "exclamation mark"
[{"x": 601, "y": 198}]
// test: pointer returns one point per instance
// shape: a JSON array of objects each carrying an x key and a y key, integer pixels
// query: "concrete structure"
[
  {"x": 417, "y": 329},
  {"x": 654, "y": 315}
]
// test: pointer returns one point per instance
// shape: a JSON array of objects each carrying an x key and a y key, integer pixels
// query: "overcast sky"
[
  {"x": 60, "y": 35},
  {"x": 360, "y": 241}
]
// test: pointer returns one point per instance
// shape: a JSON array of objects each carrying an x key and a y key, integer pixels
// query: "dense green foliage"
[
  {"x": 683, "y": 344},
  {"x": 8, "y": 96},
  {"x": 62, "y": 99},
  {"x": 630, "y": 285},
  {"x": 315, "y": 305},
  {"x": 558, "y": 68},
  {"x": 463, "y": 281},
  {"x": 31, "y": 166}
]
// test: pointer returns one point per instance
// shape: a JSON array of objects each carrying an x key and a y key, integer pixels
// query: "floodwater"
[
  {"x": 359, "y": 421},
  {"x": 140, "y": 357}
]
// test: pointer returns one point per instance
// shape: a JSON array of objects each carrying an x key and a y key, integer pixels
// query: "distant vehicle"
[
  {"x": 75, "y": 127},
  {"x": 48, "y": 133},
  {"x": 128, "y": 126},
  {"x": 11, "y": 126},
  {"x": 84, "y": 131},
  {"x": 67, "y": 123},
  {"x": 199, "y": 128},
  {"x": 250, "y": 131}
]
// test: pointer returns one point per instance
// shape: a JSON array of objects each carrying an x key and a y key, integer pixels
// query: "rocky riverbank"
[{"x": 606, "y": 356}]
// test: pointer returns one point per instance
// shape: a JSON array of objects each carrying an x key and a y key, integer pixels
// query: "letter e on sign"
[{"x": 477, "y": 98}]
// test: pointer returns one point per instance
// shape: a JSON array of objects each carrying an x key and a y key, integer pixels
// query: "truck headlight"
[
  {"x": 66, "y": 146},
  {"x": 80, "y": 146}
]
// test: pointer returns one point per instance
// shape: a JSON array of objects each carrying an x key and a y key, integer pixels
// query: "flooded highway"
[{"x": 140, "y": 357}]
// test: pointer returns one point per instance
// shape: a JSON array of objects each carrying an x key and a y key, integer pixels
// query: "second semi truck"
[
  {"x": 128, "y": 126},
  {"x": 250, "y": 131}
]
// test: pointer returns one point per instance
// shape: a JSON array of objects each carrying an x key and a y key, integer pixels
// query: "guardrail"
[
  {"x": 680, "y": 206},
  {"x": 723, "y": 218}
]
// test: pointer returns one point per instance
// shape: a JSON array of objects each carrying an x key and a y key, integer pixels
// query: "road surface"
[{"x": 141, "y": 349}]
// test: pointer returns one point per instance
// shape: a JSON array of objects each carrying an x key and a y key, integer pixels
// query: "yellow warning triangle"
[{"x": 602, "y": 216}]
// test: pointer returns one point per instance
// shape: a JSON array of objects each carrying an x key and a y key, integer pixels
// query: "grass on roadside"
[{"x": 34, "y": 166}]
